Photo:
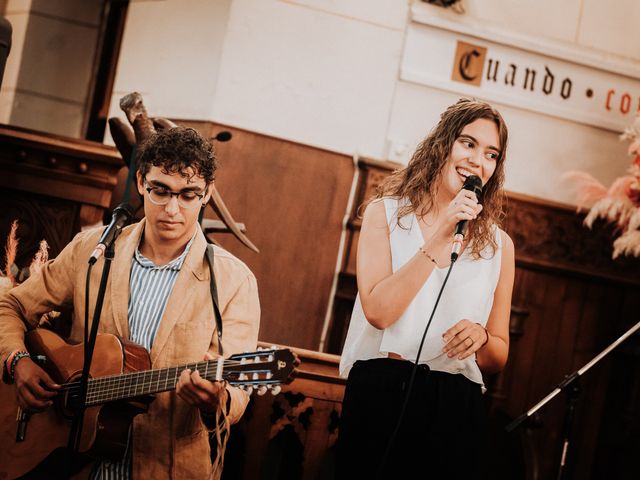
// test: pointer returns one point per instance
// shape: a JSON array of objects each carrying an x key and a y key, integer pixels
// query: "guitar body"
[
  {"x": 121, "y": 386},
  {"x": 105, "y": 427}
]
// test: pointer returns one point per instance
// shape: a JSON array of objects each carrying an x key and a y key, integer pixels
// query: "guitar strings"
[{"x": 100, "y": 389}]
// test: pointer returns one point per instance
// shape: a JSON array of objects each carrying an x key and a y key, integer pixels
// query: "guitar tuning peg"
[
  {"x": 273, "y": 347},
  {"x": 249, "y": 389},
  {"x": 259, "y": 349},
  {"x": 275, "y": 390},
  {"x": 261, "y": 390}
]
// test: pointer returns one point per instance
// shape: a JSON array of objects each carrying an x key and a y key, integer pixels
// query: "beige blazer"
[{"x": 170, "y": 441}]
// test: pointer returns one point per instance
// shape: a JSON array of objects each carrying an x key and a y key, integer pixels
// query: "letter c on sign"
[{"x": 465, "y": 64}]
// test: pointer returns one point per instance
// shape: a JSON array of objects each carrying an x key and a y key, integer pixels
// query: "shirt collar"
[{"x": 175, "y": 264}]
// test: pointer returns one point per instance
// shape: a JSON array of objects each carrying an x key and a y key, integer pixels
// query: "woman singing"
[{"x": 429, "y": 419}]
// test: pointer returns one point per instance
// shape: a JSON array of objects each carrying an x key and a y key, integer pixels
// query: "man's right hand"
[{"x": 34, "y": 388}]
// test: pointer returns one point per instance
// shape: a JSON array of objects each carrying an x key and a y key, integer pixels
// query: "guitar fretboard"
[
  {"x": 264, "y": 368},
  {"x": 136, "y": 384}
]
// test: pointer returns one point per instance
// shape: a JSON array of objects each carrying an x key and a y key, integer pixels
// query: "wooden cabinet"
[
  {"x": 53, "y": 186},
  {"x": 292, "y": 435}
]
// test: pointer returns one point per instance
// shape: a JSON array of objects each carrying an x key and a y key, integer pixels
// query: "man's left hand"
[{"x": 201, "y": 393}]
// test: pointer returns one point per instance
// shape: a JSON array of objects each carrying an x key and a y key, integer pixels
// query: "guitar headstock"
[{"x": 264, "y": 369}]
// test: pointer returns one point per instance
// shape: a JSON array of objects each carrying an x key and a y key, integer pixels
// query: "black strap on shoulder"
[{"x": 214, "y": 297}]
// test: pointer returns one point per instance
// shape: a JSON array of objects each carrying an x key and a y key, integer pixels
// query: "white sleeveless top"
[{"x": 468, "y": 294}]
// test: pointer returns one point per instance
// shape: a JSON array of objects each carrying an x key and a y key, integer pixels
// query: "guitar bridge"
[{"x": 22, "y": 417}]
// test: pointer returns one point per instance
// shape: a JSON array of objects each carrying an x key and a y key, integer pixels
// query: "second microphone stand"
[{"x": 570, "y": 385}]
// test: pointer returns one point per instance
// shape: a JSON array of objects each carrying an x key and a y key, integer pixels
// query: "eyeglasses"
[{"x": 162, "y": 196}]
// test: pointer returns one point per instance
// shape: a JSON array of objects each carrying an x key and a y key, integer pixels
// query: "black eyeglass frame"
[{"x": 150, "y": 188}]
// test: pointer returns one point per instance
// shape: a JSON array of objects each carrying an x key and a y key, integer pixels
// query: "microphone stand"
[
  {"x": 79, "y": 403},
  {"x": 569, "y": 384}
]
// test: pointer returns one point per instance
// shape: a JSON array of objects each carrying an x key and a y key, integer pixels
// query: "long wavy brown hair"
[{"x": 419, "y": 181}]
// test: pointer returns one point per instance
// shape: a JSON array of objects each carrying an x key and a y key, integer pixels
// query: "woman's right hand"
[
  {"x": 34, "y": 388},
  {"x": 464, "y": 206}
]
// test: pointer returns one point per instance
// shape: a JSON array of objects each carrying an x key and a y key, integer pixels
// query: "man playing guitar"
[{"x": 159, "y": 296}]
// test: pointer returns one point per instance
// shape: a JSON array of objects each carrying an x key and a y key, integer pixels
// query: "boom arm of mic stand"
[
  {"x": 565, "y": 383},
  {"x": 571, "y": 378}
]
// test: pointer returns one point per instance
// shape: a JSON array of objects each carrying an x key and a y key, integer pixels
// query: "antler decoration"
[{"x": 126, "y": 137}]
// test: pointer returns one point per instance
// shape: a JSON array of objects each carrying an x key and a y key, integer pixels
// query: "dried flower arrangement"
[
  {"x": 13, "y": 275},
  {"x": 618, "y": 204}
]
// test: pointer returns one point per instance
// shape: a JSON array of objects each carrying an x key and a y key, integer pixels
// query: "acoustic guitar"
[{"x": 121, "y": 386}]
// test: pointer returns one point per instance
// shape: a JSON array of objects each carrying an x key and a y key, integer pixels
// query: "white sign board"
[{"x": 476, "y": 65}]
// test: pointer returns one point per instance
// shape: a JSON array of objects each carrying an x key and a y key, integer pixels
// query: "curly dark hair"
[
  {"x": 178, "y": 150},
  {"x": 419, "y": 180}
]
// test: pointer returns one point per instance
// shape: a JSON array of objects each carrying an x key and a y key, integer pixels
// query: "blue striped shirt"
[{"x": 149, "y": 290}]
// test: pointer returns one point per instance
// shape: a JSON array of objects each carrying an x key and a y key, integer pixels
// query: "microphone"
[
  {"x": 121, "y": 217},
  {"x": 473, "y": 184}
]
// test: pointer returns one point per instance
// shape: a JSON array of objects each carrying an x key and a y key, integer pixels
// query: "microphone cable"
[{"x": 414, "y": 370}]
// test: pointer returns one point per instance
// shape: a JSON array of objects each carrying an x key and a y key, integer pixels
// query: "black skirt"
[{"x": 443, "y": 433}]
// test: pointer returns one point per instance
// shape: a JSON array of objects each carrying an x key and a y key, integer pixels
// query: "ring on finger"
[{"x": 472, "y": 342}]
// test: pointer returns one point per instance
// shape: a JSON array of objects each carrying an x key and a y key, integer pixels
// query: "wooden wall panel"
[
  {"x": 578, "y": 301},
  {"x": 292, "y": 199},
  {"x": 619, "y": 439}
]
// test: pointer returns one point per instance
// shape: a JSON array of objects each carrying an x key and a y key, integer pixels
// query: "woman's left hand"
[{"x": 464, "y": 339}]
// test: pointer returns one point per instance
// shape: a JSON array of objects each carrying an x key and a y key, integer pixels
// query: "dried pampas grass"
[
  {"x": 10, "y": 252},
  {"x": 41, "y": 257},
  {"x": 627, "y": 244},
  {"x": 587, "y": 189},
  {"x": 8, "y": 278},
  {"x": 620, "y": 203}
]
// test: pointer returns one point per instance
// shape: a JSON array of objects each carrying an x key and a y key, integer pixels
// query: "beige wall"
[
  {"x": 317, "y": 72},
  {"x": 48, "y": 75},
  {"x": 326, "y": 74}
]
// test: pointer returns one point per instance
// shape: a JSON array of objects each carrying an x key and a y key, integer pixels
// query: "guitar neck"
[
  {"x": 262, "y": 369},
  {"x": 136, "y": 384}
]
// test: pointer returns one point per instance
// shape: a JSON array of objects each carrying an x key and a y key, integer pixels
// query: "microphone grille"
[
  {"x": 125, "y": 209},
  {"x": 474, "y": 184}
]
